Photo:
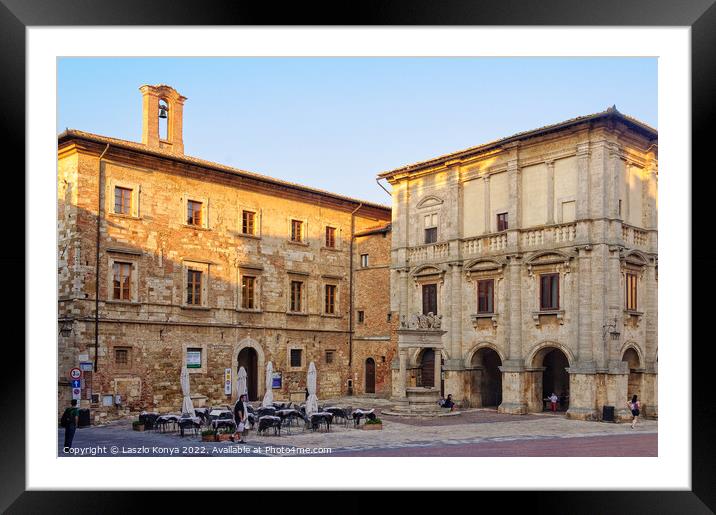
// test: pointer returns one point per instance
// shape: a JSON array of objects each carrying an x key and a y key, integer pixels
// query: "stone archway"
[
  {"x": 553, "y": 364},
  {"x": 636, "y": 375},
  {"x": 249, "y": 355},
  {"x": 486, "y": 378}
]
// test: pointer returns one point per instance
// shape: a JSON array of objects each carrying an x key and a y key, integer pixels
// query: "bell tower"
[{"x": 158, "y": 102}]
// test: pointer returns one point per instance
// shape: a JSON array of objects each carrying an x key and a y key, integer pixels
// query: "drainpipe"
[
  {"x": 350, "y": 296},
  {"x": 96, "y": 274},
  {"x": 377, "y": 179}
]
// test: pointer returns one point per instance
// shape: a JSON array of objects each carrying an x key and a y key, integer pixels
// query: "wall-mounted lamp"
[{"x": 65, "y": 328}]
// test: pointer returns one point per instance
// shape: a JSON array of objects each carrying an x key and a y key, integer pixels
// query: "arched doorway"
[
  {"x": 369, "y": 375},
  {"x": 486, "y": 378},
  {"x": 248, "y": 358},
  {"x": 426, "y": 376},
  {"x": 635, "y": 375},
  {"x": 555, "y": 377}
]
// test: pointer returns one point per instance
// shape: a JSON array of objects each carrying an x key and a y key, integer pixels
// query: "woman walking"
[
  {"x": 240, "y": 418},
  {"x": 634, "y": 406}
]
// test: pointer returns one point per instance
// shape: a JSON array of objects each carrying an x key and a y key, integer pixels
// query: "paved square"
[{"x": 474, "y": 432}]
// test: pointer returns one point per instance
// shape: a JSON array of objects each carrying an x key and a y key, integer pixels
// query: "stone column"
[
  {"x": 550, "y": 191},
  {"x": 437, "y": 369},
  {"x": 456, "y": 311},
  {"x": 584, "y": 277},
  {"x": 582, "y": 181},
  {"x": 488, "y": 215},
  {"x": 513, "y": 372},
  {"x": 515, "y": 309},
  {"x": 514, "y": 192},
  {"x": 404, "y": 289},
  {"x": 403, "y": 357}
]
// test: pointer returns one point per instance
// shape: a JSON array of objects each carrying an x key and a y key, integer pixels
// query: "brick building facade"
[{"x": 165, "y": 260}]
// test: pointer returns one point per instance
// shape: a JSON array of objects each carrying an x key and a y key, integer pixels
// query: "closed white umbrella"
[
  {"x": 268, "y": 396},
  {"x": 241, "y": 383},
  {"x": 186, "y": 406},
  {"x": 312, "y": 401}
]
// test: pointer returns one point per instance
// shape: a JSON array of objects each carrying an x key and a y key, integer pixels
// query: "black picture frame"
[{"x": 699, "y": 15}]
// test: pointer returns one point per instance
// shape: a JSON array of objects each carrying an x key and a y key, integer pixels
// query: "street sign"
[
  {"x": 75, "y": 373},
  {"x": 86, "y": 366},
  {"x": 76, "y": 383},
  {"x": 76, "y": 392}
]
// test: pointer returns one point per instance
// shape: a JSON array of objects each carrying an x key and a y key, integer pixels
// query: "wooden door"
[
  {"x": 369, "y": 376},
  {"x": 427, "y": 367}
]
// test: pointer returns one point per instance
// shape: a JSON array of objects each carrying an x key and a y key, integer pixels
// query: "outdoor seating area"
[{"x": 267, "y": 418}]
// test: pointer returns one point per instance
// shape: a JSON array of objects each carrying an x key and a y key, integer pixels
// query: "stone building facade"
[
  {"x": 165, "y": 260},
  {"x": 539, "y": 253}
]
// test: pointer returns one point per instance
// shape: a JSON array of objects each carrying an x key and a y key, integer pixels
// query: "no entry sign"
[{"x": 75, "y": 373}]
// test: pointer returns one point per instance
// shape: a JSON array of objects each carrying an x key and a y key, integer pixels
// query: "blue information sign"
[{"x": 76, "y": 383}]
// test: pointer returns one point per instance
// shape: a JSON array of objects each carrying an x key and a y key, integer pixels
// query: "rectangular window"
[
  {"x": 502, "y": 221},
  {"x": 361, "y": 317},
  {"x": 330, "y": 299},
  {"x": 193, "y": 287},
  {"x": 122, "y": 201},
  {"x": 247, "y": 222},
  {"x": 620, "y": 207},
  {"x": 364, "y": 260},
  {"x": 193, "y": 358},
  {"x": 431, "y": 235},
  {"x": 121, "y": 357},
  {"x": 296, "y": 290},
  {"x": 431, "y": 228},
  {"x": 631, "y": 292},
  {"x": 193, "y": 212},
  {"x": 296, "y": 230},
  {"x": 296, "y": 357},
  {"x": 331, "y": 237},
  {"x": 329, "y": 356},
  {"x": 485, "y": 296},
  {"x": 549, "y": 291},
  {"x": 430, "y": 299},
  {"x": 122, "y": 273},
  {"x": 248, "y": 285}
]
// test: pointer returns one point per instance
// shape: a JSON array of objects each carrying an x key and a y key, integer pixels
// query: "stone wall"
[{"x": 156, "y": 325}]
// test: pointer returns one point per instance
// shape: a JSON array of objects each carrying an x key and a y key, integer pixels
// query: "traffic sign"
[
  {"x": 76, "y": 393},
  {"x": 75, "y": 373},
  {"x": 76, "y": 383}
]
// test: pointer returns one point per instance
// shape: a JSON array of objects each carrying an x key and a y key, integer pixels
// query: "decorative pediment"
[
  {"x": 427, "y": 272},
  {"x": 634, "y": 258},
  {"x": 429, "y": 201},
  {"x": 555, "y": 259},
  {"x": 483, "y": 265}
]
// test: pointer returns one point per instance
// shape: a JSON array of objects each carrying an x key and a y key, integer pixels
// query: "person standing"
[
  {"x": 69, "y": 422},
  {"x": 634, "y": 406},
  {"x": 553, "y": 402},
  {"x": 240, "y": 417}
]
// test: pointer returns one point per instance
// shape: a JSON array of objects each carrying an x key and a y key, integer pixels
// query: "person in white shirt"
[{"x": 553, "y": 402}]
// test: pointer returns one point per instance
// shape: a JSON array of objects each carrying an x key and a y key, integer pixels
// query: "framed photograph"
[{"x": 497, "y": 101}]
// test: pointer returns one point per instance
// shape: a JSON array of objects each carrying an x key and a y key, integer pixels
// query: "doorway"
[
  {"x": 487, "y": 379},
  {"x": 249, "y": 359},
  {"x": 555, "y": 378},
  {"x": 369, "y": 375}
]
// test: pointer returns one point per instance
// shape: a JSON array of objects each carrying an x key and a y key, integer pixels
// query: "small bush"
[
  {"x": 136, "y": 423},
  {"x": 374, "y": 421},
  {"x": 208, "y": 432}
]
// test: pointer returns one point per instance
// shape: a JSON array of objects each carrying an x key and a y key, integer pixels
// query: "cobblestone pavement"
[{"x": 472, "y": 433}]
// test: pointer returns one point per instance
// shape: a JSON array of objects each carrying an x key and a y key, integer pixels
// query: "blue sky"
[{"x": 334, "y": 123}]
